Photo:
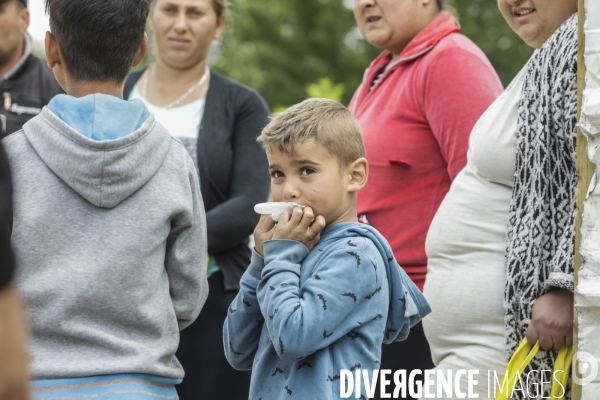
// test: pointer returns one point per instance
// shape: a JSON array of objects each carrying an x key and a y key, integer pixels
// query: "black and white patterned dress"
[{"x": 540, "y": 240}]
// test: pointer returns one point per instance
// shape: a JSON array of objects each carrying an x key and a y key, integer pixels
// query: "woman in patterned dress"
[{"x": 500, "y": 248}]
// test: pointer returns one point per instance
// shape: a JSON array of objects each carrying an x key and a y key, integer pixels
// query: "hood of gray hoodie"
[{"x": 105, "y": 173}]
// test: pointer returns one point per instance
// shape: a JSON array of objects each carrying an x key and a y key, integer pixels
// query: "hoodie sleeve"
[
  {"x": 186, "y": 257},
  {"x": 328, "y": 306},
  {"x": 244, "y": 322}
]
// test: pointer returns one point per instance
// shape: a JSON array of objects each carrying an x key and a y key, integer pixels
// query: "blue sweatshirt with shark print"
[{"x": 301, "y": 317}]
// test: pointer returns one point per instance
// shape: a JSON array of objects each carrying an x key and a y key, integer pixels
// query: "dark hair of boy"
[{"x": 98, "y": 39}]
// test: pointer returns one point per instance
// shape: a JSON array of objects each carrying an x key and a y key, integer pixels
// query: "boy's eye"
[
  {"x": 276, "y": 174},
  {"x": 196, "y": 13},
  {"x": 169, "y": 10},
  {"x": 307, "y": 171}
]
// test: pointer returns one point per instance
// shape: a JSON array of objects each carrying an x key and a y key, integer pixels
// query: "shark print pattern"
[
  {"x": 374, "y": 264},
  {"x": 378, "y": 316},
  {"x": 351, "y": 295},
  {"x": 355, "y": 255},
  {"x": 304, "y": 364},
  {"x": 275, "y": 312},
  {"x": 335, "y": 378},
  {"x": 288, "y": 390},
  {"x": 388, "y": 331},
  {"x": 236, "y": 353},
  {"x": 369, "y": 297},
  {"x": 355, "y": 367},
  {"x": 325, "y": 335},
  {"x": 246, "y": 303},
  {"x": 322, "y": 298},
  {"x": 350, "y": 243},
  {"x": 353, "y": 335},
  {"x": 231, "y": 310},
  {"x": 281, "y": 348},
  {"x": 277, "y": 371}
]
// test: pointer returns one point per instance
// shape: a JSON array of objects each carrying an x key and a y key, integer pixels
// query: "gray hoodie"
[{"x": 110, "y": 244}]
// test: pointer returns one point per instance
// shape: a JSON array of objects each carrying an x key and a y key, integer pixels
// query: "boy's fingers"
[
  {"x": 265, "y": 223},
  {"x": 284, "y": 218},
  {"x": 317, "y": 226},
  {"x": 296, "y": 217},
  {"x": 307, "y": 217},
  {"x": 269, "y": 223}
]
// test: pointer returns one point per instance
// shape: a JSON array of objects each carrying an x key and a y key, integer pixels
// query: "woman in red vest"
[{"x": 416, "y": 105}]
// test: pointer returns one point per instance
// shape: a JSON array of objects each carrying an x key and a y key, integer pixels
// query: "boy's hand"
[
  {"x": 300, "y": 226},
  {"x": 263, "y": 232}
]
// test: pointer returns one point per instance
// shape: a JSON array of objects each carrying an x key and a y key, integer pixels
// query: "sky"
[{"x": 38, "y": 24}]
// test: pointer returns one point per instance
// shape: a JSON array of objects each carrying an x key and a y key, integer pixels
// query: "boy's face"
[{"x": 312, "y": 177}]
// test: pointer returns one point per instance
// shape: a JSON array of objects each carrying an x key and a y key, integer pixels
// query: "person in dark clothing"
[
  {"x": 14, "y": 380},
  {"x": 218, "y": 120},
  {"x": 26, "y": 82}
]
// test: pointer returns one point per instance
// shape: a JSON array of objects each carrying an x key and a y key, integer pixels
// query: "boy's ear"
[
  {"x": 139, "y": 57},
  {"x": 359, "y": 173},
  {"x": 52, "y": 51}
]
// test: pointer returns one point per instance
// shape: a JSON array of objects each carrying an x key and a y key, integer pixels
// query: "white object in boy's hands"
[{"x": 275, "y": 208}]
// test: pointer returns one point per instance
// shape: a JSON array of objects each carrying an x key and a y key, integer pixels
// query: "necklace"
[{"x": 182, "y": 98}]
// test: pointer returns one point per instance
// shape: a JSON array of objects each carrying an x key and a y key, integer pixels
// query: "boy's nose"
[{"x": 290, "y": 192}]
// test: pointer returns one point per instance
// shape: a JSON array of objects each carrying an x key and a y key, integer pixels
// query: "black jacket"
[
  {"x": 25, "y": 93},
  {"x": 233, "y": 170},
  {"x": 6, "y": 257}
]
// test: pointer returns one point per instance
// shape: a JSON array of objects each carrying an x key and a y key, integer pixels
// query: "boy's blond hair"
[{"x": 327, "y": 122}]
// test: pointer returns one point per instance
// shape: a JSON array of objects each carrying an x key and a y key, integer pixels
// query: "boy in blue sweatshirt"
[{"x": 323, "y": 291}]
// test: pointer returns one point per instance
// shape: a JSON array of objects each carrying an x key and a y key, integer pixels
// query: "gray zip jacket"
[{"x": 110, "y": 247}]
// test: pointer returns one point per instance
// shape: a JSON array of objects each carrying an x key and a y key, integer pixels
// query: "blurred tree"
[{"x": 280, "y": 47}]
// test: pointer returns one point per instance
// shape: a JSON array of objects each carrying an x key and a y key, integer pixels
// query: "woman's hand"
[
  {"x": 263, "y": 232},
  {"x": 301, "y": 226},
  {"x": 552, "y": 320}
]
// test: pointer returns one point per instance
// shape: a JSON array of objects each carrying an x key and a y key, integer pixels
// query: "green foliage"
[
  {"x": 325, "y": 89},
  {"x": 279, "y": 47},
  {"x": 288, "y": 49}
]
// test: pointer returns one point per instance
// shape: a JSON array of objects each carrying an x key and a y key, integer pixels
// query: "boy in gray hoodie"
[{"x": 109, "y": 230}]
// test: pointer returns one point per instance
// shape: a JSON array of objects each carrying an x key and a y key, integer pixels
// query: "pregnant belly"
[{"x": 465, "y": 278}]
